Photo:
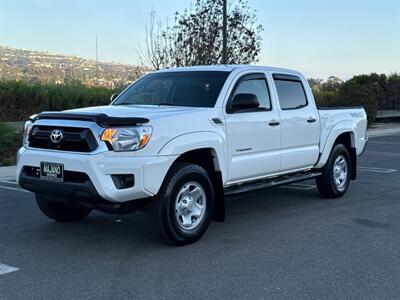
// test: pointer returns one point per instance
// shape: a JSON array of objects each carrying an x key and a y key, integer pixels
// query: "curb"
[
  {"x": 7, "y": 173},
  {"x": 383, "y": 132}
]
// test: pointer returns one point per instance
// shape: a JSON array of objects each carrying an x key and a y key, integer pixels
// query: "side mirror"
[
  {"x": 245, "y": 102},
  {"x": 113, "y": 96}
]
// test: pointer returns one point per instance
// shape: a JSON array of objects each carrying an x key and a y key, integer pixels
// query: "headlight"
[
  {"x": 27, "y": 131},
  {"x": 127, "y": 139}
]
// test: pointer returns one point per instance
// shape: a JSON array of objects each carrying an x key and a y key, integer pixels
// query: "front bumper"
[
  {"x": 82, "y": 190},
  {"x": 149, "y": 172}
]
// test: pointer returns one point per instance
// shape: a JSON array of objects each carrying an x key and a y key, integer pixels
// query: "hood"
[{"x": 144, "y": 111}]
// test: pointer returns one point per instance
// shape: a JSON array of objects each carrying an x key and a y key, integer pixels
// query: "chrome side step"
[{"x": 271, "y": 182}]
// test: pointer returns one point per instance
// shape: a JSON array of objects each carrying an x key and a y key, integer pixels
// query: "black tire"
[
  {"x": 163, "y": 210},
  {"x": 326, "y": 183},
  {"x": 60, "y": 211}
]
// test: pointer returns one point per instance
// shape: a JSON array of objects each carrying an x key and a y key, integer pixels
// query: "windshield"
[{"x": 195, "y": 89}]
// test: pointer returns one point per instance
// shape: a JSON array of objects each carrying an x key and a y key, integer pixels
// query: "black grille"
[{"x": 74, "y": 139}]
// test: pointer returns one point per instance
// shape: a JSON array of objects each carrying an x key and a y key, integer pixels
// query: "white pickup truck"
[{"x": 176, "y": 141}]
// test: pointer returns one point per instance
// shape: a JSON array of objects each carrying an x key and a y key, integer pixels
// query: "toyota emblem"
[{"x": 56, "y": 136}]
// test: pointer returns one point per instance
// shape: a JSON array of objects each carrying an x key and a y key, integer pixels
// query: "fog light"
[{"x": 123, "y": 181}]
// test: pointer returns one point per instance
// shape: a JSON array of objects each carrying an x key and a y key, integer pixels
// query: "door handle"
[
  {"x": 311, "y": 120},
  {"x": 274, "y": 123}
]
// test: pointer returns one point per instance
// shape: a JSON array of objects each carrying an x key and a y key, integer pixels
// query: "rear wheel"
[
  {"x": 59, "y": 210},
  {"x": 182, "y": 210},
  {"x": 335, "y": 178}
]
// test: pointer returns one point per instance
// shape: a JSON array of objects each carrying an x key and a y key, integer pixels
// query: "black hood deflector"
[{"x": 101, "y": 119}]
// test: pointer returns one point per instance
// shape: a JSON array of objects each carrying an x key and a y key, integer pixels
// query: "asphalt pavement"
[{"x": 281, "y": 243}]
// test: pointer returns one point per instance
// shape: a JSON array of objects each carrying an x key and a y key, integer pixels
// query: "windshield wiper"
[
  {"x": 166, "y": 104},
  {"x": 122, "y": 103},
  {"x": 158, "y": 104}
]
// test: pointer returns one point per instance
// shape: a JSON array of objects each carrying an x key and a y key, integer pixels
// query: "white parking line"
[
  {"x": 383, "y": 142},
  {"x": 377, "y": 170},
  {"x": 396, "y": 154},
  {"x": 5, "y": 269},
  {"x": 13, "y": 189}
]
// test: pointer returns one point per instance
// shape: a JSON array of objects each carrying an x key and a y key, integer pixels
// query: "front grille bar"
[{"x": 74, "y": 139}]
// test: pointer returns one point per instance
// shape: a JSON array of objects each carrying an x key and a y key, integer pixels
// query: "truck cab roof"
[{"x": 229, "y": 68}]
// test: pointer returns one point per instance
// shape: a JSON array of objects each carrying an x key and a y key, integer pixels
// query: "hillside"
[{"x": 35, "y": 66}]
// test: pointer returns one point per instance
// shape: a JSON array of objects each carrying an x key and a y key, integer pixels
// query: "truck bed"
[
  {"x": 354, "y": 119},
  {"x": 338, "y": 107}
]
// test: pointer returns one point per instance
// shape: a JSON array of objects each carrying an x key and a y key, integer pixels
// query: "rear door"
[
  {"x": 253, "y": 136},
  {"x": 299, "y": 123}
]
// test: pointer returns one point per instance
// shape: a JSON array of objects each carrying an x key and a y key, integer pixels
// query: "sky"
[{"x": 317, "y": 37}]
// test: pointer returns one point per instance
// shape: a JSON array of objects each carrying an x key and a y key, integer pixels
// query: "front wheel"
[
  {"x": 335, "y": 178},
  {"x": 182, "y": 210}
]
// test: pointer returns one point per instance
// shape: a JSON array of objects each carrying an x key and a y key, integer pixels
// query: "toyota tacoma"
[{"x": 176, "y": 142}]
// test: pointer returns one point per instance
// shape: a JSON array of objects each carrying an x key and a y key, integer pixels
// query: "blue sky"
[{"x": 317, "y": 37}]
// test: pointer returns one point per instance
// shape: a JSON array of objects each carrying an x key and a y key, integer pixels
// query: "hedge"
[
  {"x": 350, "y": 94},
  {"x": 19, "y": 100},
  {"x": 371, "y": 91},
  {"x": 10, "y": 141}
]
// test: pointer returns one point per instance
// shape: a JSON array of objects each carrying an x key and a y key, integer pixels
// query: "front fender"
[
  {"x": 338, "y": 129},
  {"x": 199, "y": 140}
]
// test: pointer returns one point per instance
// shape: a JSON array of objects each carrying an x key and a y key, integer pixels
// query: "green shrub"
[
  {"x": 19, "y": 100},
  {"x": 10, "y": 161},
  {"x": 325, "y": 98},
  {"x": 350, "y": 93},
  {"x": 10, "y": 141},
  {"x": 392, "y": 92},
  {"x": 371, "y": 91},
  {"x": 353, "y": 93}
]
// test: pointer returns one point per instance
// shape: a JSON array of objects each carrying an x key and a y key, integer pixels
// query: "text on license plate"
[{"x": 51, "y": 171}]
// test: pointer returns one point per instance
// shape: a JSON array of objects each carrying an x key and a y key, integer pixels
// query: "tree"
[
  {"x": 157, "y": 45},
  {"x": 393, "y": 92},
  {"x": 196, "y": 36},
  {"x": 332, "y": 84},
  {"x": 315, "y": 83}
]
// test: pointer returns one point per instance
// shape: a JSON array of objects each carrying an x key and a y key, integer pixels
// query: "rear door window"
[{"x": 291, "y": 93}]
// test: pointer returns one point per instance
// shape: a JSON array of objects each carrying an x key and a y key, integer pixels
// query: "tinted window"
[
  {"x": 291, "y": 94},
  {"x": 257, "y": 87},
  {"x": 199, "y": 89}
]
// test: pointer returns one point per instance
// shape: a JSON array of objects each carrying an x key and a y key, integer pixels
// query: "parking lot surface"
[{"x": 286, "y": 243}]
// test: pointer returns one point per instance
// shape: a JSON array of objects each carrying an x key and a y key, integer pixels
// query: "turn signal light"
[{"x": 108, "y": 134}]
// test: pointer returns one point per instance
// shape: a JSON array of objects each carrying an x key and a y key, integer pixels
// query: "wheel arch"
[
  {"x": 346, "y": 137},
  {"x": 208, "y": 159},
  {"x": 204, "y": 142}
]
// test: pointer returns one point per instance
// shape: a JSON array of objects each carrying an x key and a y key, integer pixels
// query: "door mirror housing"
[
  {"x": 113, "y": 96},
  {"x": 244, "y": 102}
]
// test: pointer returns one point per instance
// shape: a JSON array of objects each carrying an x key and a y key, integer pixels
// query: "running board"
[{"x": 267, "y": 183}]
